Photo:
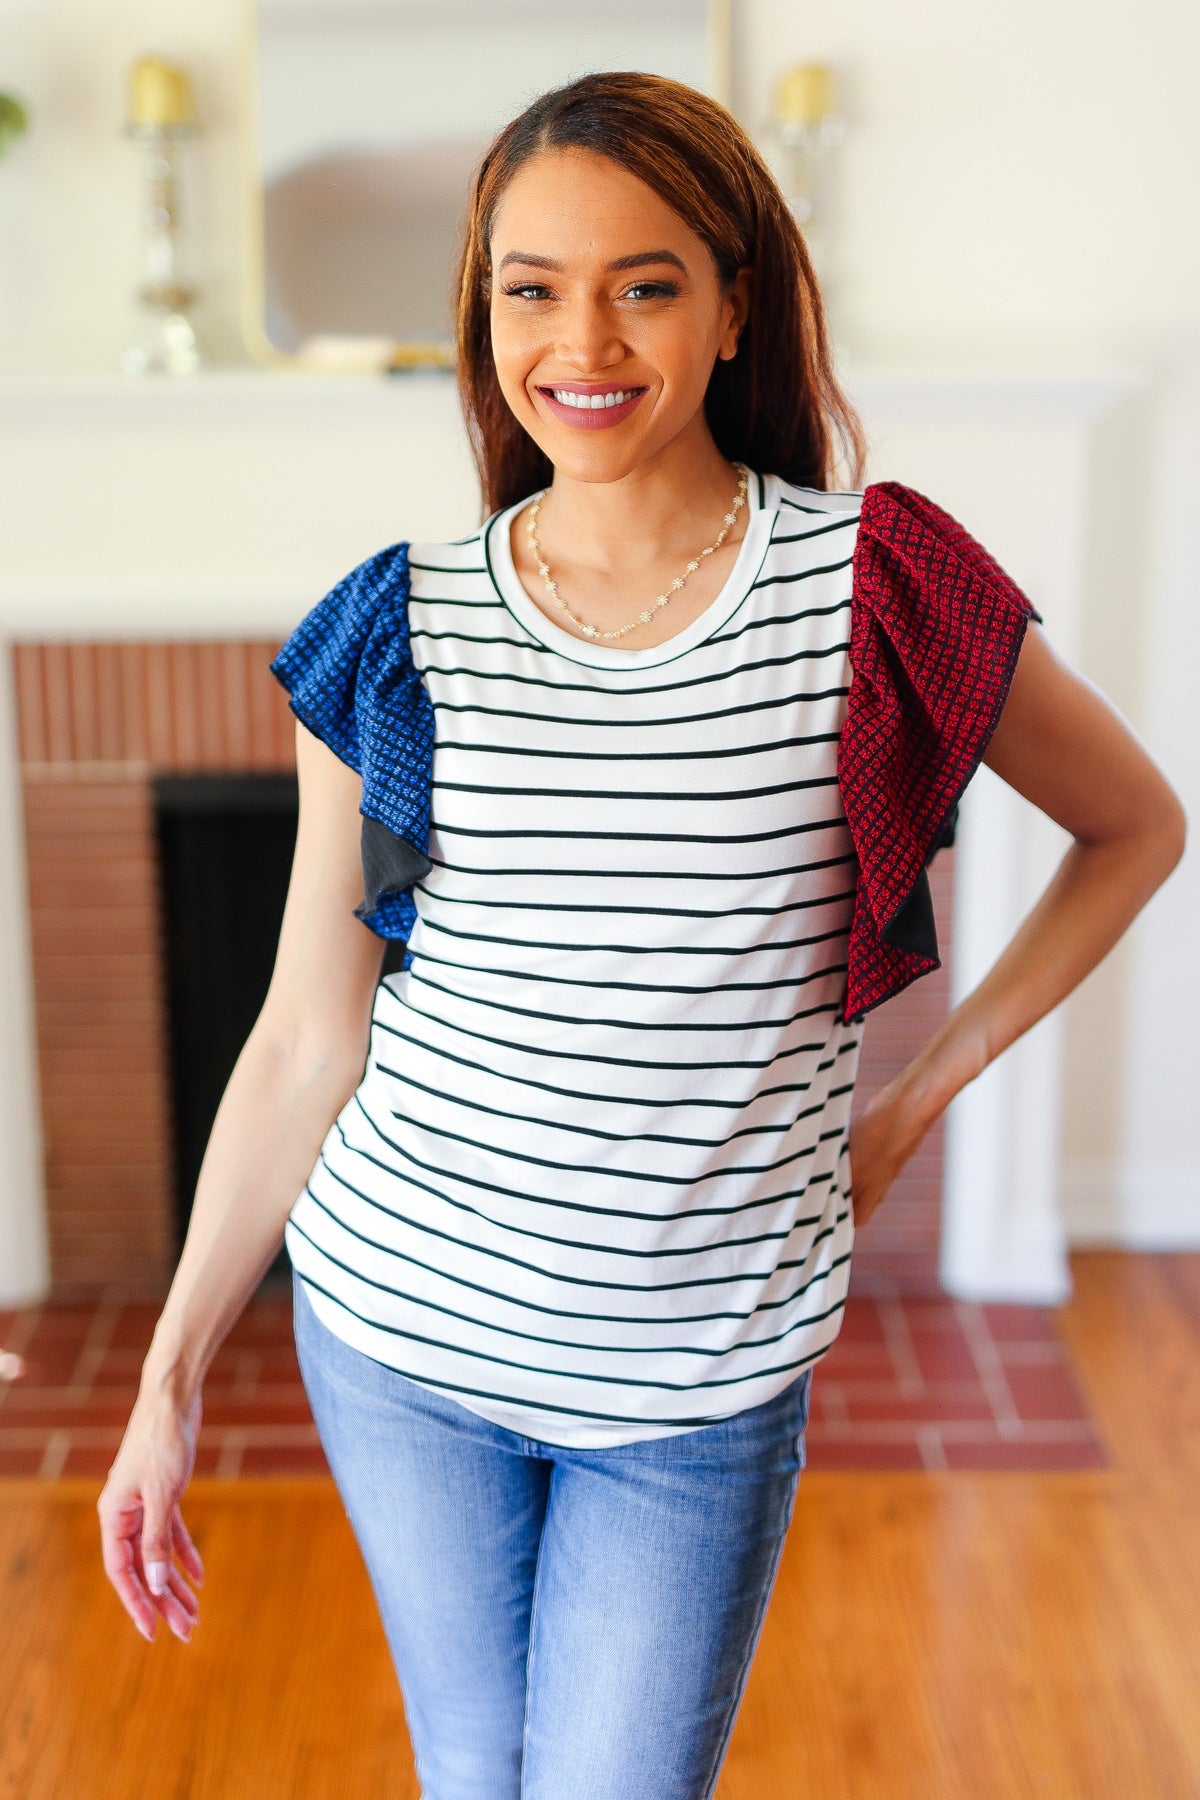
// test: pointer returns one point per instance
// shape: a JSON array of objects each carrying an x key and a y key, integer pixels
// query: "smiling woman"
[
  {"x": 634, "y": 176},
  {"x": 572, "y": 1235},
  {"x": 648, "y": 324}
]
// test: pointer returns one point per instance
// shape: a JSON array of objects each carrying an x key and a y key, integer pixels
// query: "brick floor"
[{"x": 914, "y": 1381}]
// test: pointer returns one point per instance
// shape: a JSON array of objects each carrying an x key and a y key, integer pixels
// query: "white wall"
[
  {"x": 1016, "y": 184},
  {"x": 1014, "y": 177}
]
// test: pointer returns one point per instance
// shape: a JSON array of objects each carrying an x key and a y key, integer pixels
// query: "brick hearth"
[{"x": 911, "y": 1383}]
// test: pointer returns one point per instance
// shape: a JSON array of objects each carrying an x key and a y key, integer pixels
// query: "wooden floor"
[{"x": 960, "y": 1634}]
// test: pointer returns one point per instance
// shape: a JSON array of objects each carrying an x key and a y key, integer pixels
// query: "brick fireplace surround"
[{"x": 96, "y": 723}]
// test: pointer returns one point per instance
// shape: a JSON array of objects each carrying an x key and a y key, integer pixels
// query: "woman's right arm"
[{"x": 301, "y": 1063}]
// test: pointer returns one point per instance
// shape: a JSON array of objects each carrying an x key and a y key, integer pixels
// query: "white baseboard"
[
  {"x": 1153, "y": 1208},
  {"x": 1026, "y": 1266}
]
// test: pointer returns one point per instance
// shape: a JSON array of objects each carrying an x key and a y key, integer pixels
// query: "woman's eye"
[
  {"x": 640, "y": 290},
  {"x": 654, "y": 289}
]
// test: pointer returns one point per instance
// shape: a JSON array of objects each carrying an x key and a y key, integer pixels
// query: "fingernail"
[
  {"x": 147, "y": 1632},
  {"x": 156, "y": 1575}
]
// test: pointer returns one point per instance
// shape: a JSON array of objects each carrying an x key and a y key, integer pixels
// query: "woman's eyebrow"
[
  {"x": 641, "y": 257},
  {"x": 638, "y": 260}
]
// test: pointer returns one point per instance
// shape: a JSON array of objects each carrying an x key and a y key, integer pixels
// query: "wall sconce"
[
  {"x": 160, "y": 118},
  {"x": 803, "y": 131}
]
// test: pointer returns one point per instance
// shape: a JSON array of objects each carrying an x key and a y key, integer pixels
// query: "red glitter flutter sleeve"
[{"x": 936, "y": 630}]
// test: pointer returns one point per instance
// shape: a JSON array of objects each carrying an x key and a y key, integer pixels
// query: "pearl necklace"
[{"x": 644, "y": 618}]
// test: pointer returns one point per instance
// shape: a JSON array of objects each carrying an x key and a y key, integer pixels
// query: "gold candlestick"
[
  {"x": 803, "y": 131},
  {"x": 160, "y": 118}
]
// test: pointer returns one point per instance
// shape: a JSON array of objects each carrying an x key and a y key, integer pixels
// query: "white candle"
[
  {"x": 805, "y": 95},
  {"x": 159, "y": 93}
]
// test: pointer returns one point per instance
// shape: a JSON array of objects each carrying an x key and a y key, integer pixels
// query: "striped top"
[{"x": 594, "y": 1183}]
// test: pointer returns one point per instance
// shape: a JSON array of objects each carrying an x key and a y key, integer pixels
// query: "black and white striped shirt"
[{"x": 594, "y": 1182}]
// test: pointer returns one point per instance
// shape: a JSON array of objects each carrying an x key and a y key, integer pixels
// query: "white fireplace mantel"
[{"x": 226, "y": 504}]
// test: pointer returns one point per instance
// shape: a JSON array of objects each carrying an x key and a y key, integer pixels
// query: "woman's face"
[{"x": 600, "y": 288}]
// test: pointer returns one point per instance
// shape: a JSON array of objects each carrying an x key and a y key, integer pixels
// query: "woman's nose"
[{"x": 588, "y": 339}]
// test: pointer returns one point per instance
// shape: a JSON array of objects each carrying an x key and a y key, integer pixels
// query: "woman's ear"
[{"x": 737, "y": 301}]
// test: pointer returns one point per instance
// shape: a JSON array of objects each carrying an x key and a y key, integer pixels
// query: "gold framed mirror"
[{"x": 363, "y": 122}]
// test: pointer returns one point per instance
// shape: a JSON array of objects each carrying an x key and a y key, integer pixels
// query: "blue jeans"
[{"x": 565, "y": 1624}]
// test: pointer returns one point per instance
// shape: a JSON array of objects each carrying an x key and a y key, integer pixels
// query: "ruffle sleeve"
[
  {"x": 936, "y": 630},
  {"x": 350, "y": 679}
]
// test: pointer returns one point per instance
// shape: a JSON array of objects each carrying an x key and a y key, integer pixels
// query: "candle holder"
[
  {"x": 160, "y": 124},
  {"x": 800, "y": 136}
]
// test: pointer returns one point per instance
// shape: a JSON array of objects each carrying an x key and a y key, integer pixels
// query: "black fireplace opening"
[{"x": 225, "y": 846}]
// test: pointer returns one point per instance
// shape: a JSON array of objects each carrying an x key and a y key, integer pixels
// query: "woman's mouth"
[{"x": 590, "y": 407}]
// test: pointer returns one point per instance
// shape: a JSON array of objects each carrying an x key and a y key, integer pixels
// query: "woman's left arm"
[{"x": 1063, "y": 746}]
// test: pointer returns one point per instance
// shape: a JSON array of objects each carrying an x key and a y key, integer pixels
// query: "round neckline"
[{"x": 497, "y": 546}]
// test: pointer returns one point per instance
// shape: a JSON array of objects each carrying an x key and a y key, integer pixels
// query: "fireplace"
[
  {"x": 160, "y": 802},
  {"x": 224, "y": 848}
]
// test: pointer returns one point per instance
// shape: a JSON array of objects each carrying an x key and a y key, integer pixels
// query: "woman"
[{"x": 569, "y": 1249}]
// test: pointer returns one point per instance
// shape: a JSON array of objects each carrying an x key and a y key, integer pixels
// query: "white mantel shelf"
[
  {"x": 226, "y": 504},
  {"x": 187, "y": 506},
  {"x": 1013, "y": 386}
]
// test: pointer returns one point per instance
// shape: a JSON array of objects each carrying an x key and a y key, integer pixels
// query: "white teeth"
[{"x": 593, "y": 401}]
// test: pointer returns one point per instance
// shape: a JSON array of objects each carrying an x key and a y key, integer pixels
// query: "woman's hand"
[
  {"x": 141, "y": 1527},
  {"x": 882, "y": 1139}
]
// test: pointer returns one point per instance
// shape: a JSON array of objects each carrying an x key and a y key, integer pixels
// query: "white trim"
[
  {"x": 24, "y": 1249},
  {"x": 1156, "y": 1207},
  {"x": 1002, "y": 1234}
]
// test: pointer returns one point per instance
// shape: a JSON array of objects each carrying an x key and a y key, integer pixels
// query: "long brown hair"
[{"x": 777, "y": 405}]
